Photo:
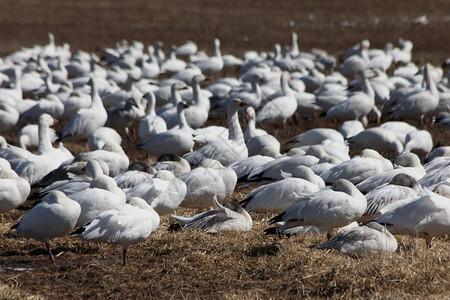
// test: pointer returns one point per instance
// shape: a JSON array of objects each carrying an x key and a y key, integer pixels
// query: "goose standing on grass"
[
  {"x": 55, "y": 216},
  {"x": 224, "y": 151},
  {"x": 151, "y": 124},
  {"x": 211, "y": 180},
  {"x": 227, "y": 217},
  {"x": 326, "y": 209},
  {"x": 280, "y": 195},
  {"x": 280, "y": 108},
  {"x": 125, "y": 225},
  {"x": 426, "y": 217},
  {"x": 371, "y": 238},
  {"x": 88, "y": 119},
  {"x": 176, "y": 141},
  {"x": 14, "y": 190}
]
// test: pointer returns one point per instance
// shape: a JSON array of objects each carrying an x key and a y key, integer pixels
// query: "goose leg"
[
  {"x": 124, "y": 257},
  {"x": 47, "y": 246}
]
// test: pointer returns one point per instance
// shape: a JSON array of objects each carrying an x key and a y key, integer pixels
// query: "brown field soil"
[{"x": 249, "y": 265}]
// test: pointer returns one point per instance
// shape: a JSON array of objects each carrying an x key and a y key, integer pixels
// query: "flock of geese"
[{"x": 316, "y": 187}]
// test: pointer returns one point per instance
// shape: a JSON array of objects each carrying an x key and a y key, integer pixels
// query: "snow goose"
[
  {"x": 253, "y": 96},
  {"x": 408, "y": 163},
  {"x": 15, "y": 190},
  {"x": 88, "y": 119},
  {"x": 48, "y": 158},
  {"x": 326, "y": 209},
  {"x": 151, "y": 124},
  {"x": 187, "y": 74},
  {"x": 112, "y": 154},
  {"x": 419, "y": 103},
  {"x": 76, "y": 100},
  {"x": 371, "y": 238},
  {"x": 100, "y": 136},
  {"x": 359, "y": 168},
  {"x": 137, "y": 173},
  {"x": 274, "y": 170},
  {"x": 29, "y": 137},
  {"x": 13, "y": 154},
  {"x": 54, "y": 217},
  {"x": 12, "y": 95},
  {"x": 426, "y": 217},
  {"x": 172, "y": 64},
  {"x": 251, "y": 130},
  {"x": 9, "y": 117},
  {"x": 419, "y": 142},
  {"x": 50, "y": 105},
  {"x": 225, "y": 151},
  {"x": 187, "y": 49},
  {"x": 176, "y": 141},
  {"x": 280, "y": 195},
  {"x": 351, "y": 128},
  {"x": 356, "y": 63},
  {"x": 213, "y": 64},
  {"x": 402, "y": 189},
  {"x": 244, "y": 167},
  {"x": 123, "y": 115},
  {"x": 443, "y": 151},
  {"x": 280, "y": 108},
  {"x": 317, "y": 136},
  {"x": 169, "y": 111},
  {"x": 210, "y": 180},
  {"x": 227, "y": 217},
  {"x": 125, "y": 225},
  {"x": 173, "y": 163},
  {"x": 357, "y": 106},
  {"x": 198, "y": 111},
  {"x": 377, "y": 138},
  {"x": 150, "y": 67},
  {"x": 102, "y": 194},
  {"x": 399, "y": 128},
  {"x": 164, "y": 192}
]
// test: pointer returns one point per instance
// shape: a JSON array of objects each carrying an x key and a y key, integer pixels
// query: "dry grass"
[{"x": 250, "y": 265}]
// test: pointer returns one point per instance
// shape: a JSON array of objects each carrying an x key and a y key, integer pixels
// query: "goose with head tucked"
[
  {"x": 224, "y": 151},
  {"x": 371, "y": 238},
  {"x": 124, "y": 225},
  {"x": 228, "y": 216},
  {"x": 55, "y": 216}
]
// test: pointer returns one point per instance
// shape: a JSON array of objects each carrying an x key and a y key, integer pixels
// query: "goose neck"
[
  {"x": 45, "y": 145},
  {"x": 234, "y": 127}
]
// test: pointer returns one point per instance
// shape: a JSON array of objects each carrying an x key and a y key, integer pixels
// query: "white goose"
[
  {"x": 124, "y": 225},
  {"x": 9, "y": 117},
  {"x": 176, "y": 141},
  {"x": 48, "y": 158},
  {"x": 102, "y": 194},
  {"x": 371, "y": 238},
  {"x": 280, "y": 108},
  {"x": 402, "y": 189},
  {"x": 280, "y": 195},
  {"x": 426, "y": 217},
  {"x": 172, "y": 64},
  {"x": 29, "y": 136},
  {"x": 137, "y": 173},
  {"x": 54, "y": 217},
  {"x": 377, "y": 138},
  {"x": 169, "y": 111},
  {"x": 213, "y": 64},
  {"x": 198, "y": 111},
  {"x": 224, "y": 151},
  {"x": 51, "y": 105},
  {"x": 227, "y": 217},
  {"x": 211, "y": 180},
  {"x": 251, "y": 130},
  {"x": 102, "y": 135},
  {"x": 326, "y": 209},
  {"x": 164, "y": 192},
  {"x": 151, "y": 124},
  {"x": 244, "y": 167},
  {"x": 15, "y": 190},
  {"x": 88, "y": 119}
]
